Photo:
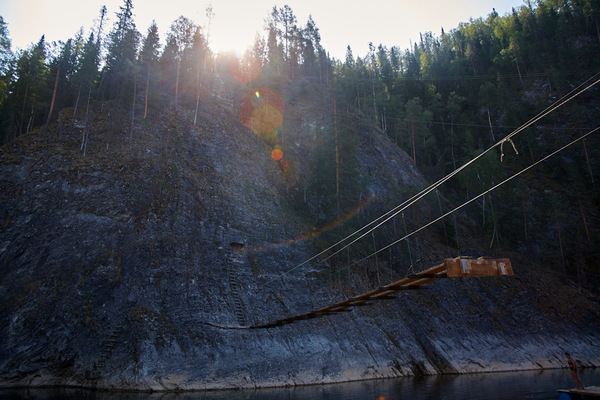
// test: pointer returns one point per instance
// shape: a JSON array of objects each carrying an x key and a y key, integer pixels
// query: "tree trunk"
[
  {"x": 146, "y": 97},
  {"x": 84, "y": 137},
  {"x": 443, "y": 222},
  {"x": 76, "y": 103},
  {"x": 407, "y": 241},
  {"x": 133, "y": 108},
  {"x": 452, "y": 142},
  {"x": 483, "y": 212},
  {"x": 524, "y": 218},
  {"x": 53, "y": 98},
  {"x": 376, "y": 260},
  {"x": 177, "y": 83},
  {"x": 30, "y": 122},
  {"x": 374, "y": 102},
  {"x": 587, "y": 232},
  {"x": 519, "y": 72},
  {"x": 337, "y": 159},
  {"x": 23, "y": 110},
  {"x": 562, "y": 253},
  {"x": 412, "y": 135},
  {"x": 456, "y": 233},
  {"x": 587, "y": 157},
  {"x": 491, "y": 127},
  {"x": 495, "y": 233},
  {"x": 198, "y": 88},
  {"x": 197, "y": 105}
]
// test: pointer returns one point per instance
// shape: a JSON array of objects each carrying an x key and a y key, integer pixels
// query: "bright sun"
[{"x": 235, "y": 31}]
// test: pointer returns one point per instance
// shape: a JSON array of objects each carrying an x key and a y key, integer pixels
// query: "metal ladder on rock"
[
  {"x": 107, "y": 347},
  {"x": 235, "y": 261}
]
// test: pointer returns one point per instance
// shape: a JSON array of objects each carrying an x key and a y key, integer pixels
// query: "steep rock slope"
[{"x": 111, "y": 264}]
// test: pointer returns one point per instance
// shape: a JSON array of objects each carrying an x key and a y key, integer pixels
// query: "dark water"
[{"x": 531, "y": 385}]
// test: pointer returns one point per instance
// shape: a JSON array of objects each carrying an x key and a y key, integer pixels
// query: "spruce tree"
[
  {"x": 149, "y": 60},
  {"x": 122, "y": 51},
  {"x": 6, "y": 72},
  {"x": 29, "y": 87},
  {"x": 6, "y": 55}
]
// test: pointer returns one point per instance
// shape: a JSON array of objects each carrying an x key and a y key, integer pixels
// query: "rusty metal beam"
[{"x": 459, "y": 267}]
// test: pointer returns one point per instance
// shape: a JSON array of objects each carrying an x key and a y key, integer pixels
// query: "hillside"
[{"x": 112, "y": 263}]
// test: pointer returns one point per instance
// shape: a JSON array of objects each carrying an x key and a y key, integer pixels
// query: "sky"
[{"x": 236, "y": 22}]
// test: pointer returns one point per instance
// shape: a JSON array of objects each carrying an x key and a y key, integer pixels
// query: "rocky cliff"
[{"x": 112, "y": 263}]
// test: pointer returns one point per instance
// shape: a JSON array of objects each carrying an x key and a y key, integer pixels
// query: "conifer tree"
[
  {"x": 62, "y": 69},
  {"x": 86, "y": 74},
  {"x": 259, "y": 50},
  {"x": 286, "y": 18},
  {"x": 6, "y": 72},
  {"x": 274, "y": 50},
  {"x": 374, "y": 74},
  {"x": 312, "y": 46},
  {"x": 199, "y": 56},
  {"x": 88, "y": 63},
  {"x": 149, "y": 56},
  {"x": 178, "y": 57},
  {"x": 6, "y": 55},
  {"x": 29, "y": 87},
  {"x": 122, "y": 51}
]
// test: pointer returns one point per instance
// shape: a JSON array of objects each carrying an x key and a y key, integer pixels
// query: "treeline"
[
  {"x": 450, "y": 97},
  {"x": 443, "y": 101},
  {"x": 470, "y": 77},
  {"x": 455, "y": 94},
  {"x": 123, "y": 65}
]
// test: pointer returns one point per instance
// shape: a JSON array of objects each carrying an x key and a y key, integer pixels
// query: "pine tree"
[
  {"x": 148, "y": 59},
  {"x": 6, "y": 55},
  {"x": 311, "y": 47},
  {"x": 274, "y": 50},
  {"x": 417, "y": 121},
  {"x": 259, "y": 50},
  {"x": 62, "y": 69},
  {"x": 6, "y": 72},
  {"x": 87, "y": 73},
  {"x": 88, "y": 63},
  {"x": 374, "y": 74},
  {"x": 122, "y": 51},
  {"x": 178, "y": 57},
  {"x": 288, "y": 20},
  {"x": 29, "y": 87},
  {"x": 199, "y": 56}
]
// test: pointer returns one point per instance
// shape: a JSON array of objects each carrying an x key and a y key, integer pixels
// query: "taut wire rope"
[
  {"x": 407, "y": 203},
  {"x": 471, "y": 200}
]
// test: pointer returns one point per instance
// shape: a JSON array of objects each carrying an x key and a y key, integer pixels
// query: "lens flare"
[
  {"x": 277, "y": 154},
  {"x": 244, "y": 70},
  {"x": 314, "y": 232},
  {"x": 261, "y": 111}
]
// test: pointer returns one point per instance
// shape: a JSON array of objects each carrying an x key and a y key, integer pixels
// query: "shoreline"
[{"x": 218, "y": 388}]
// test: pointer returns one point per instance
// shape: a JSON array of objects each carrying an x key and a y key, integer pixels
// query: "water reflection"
[{"x": 528, "y": 385}]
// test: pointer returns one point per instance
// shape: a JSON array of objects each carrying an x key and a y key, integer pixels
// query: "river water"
[{"x": 527, "y": 385}]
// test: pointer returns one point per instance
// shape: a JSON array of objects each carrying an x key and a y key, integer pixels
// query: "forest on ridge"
[{"x": 443, "y": 102}]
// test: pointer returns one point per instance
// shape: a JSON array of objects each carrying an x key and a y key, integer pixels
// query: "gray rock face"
[{"x": 111, "y": 265}]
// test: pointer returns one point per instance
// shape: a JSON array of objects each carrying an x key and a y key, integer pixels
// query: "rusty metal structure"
[{"x": 460, "y": 267}]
